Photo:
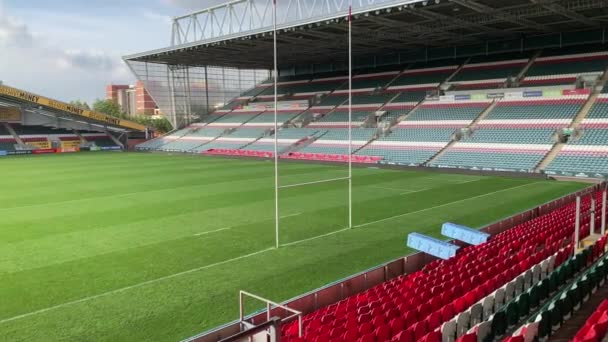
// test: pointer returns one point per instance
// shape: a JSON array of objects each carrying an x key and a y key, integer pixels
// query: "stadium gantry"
[{"x": 515, "y": 85}]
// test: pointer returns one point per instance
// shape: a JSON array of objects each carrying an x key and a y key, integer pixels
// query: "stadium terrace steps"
[
  {"x": 548, "y": 159},
  {"x": 449, "y": 299}
]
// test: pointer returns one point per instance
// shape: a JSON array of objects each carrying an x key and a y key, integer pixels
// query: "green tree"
[
  {"x": 160, "y": 124},
  {"x": 108, "y": 107},
  {"x": 81, "y": 104}
]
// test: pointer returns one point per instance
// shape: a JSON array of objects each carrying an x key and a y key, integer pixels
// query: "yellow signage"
[
  {"x": 10, "y": 114},
  {"x": 70, "y": 144},
  {"x": 40, "y": 144},
  {"x": 43, "y": 101}
]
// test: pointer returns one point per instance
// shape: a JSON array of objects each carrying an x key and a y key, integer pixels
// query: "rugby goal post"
[{"x": 350, "y": 140}]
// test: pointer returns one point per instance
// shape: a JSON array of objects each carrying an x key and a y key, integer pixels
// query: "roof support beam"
[
  {"x": 561, "y": 10},
  {"x": 504, "y": 15}
]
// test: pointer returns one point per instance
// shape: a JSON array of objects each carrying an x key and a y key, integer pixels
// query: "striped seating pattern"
[
  {"x": 512, "y": 135},
  {"x": 447, "y": 112},
  {"x": 478, "y": 159},
  {"x": 534, "y": 110}
]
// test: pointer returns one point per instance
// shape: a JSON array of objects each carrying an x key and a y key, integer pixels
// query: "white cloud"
[
  {"x": 193, "y": 4},
  {"x": 31, "y": 61}
]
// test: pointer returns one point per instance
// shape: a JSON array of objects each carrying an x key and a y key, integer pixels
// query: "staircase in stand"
[
  {"x": 524, "y": 71},
  {"x": 481, "y": 116},
  {"x": 460, "y": 67},
  {"x": 555, "y": 150}
]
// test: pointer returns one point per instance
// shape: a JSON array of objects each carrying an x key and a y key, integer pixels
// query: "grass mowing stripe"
[
  {"x": 443, "y": 205},
  {"x": 152, "y": 281}
]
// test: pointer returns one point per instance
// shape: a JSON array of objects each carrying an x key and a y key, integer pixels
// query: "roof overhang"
[
  {"x": 46, "y": 106},
  {"x": 399, "y": 26}
]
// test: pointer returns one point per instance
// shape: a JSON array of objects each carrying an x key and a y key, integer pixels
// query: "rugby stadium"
[{"x": 396, "y": 170}]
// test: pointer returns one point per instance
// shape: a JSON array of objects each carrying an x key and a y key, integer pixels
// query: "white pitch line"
[
  {"x": 442, "y": 205},
  {"x": 414, "y": 191},
  {"x": 314, "y": 182},
  {"x": 152, "y": 281},
  {"x": 313, "y": 238},
  {"x": 286, "y": 216},
  {"x": 212, "y": 231},
  {"x": 389, "y": 188},
  {"x": 469, "y": 181}
]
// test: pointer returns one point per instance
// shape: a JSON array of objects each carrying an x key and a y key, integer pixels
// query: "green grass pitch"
[{"x": 134, "y": 247}]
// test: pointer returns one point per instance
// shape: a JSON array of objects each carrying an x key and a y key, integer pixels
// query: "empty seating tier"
[
  {"x": 457, "y": 113},
  {"x": 423, "y": 78},
  {"x": 552, "y": 70},
  {"x": 587, "y": 154},
  {"x": 266, "y": 119},
  {"x": 7, "y": 144},
  {"x": 335, "y": 141},
  {"x": 487, "y": 75},
  {"x": 512, "y": 135},
  {"x": 234, "y": 118},
  {"x": 597, "y": 117},
  {"x": 287, "y": 137},
  {"x": 596, "y": 326},
  {"x": 413, "y": 307},
  {"x": 499, "y": 157},
  {"x": 409, "y": 146},
  {"x": 535, "y": 112},
  {"x": 339, "y": 118}
]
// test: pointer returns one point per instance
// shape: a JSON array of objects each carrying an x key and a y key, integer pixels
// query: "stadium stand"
[
  {"x": 289, "y": 137},
  {"x": 409, "y": 146},
  {"x": 445, "y": 113},
  {"x": 484, "y": 73},
  {"x": 552, "y": 69},
  {"x": 536, "y": 112},
  {"x": 393, "y": 123},
  {"x": 476, "y": 294},
  {"x": 335, "y": 141}
]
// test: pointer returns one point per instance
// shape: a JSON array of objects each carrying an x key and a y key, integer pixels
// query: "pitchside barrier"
[{"x": 336, "y": 291}]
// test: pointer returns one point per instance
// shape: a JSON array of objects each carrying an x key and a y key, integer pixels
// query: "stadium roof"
[
  {"x": 61, "y": 111},
  {"x": 386, "y": 26}
]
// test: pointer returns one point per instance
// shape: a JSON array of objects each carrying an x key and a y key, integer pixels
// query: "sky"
[{"x": 70, "y": 49}]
